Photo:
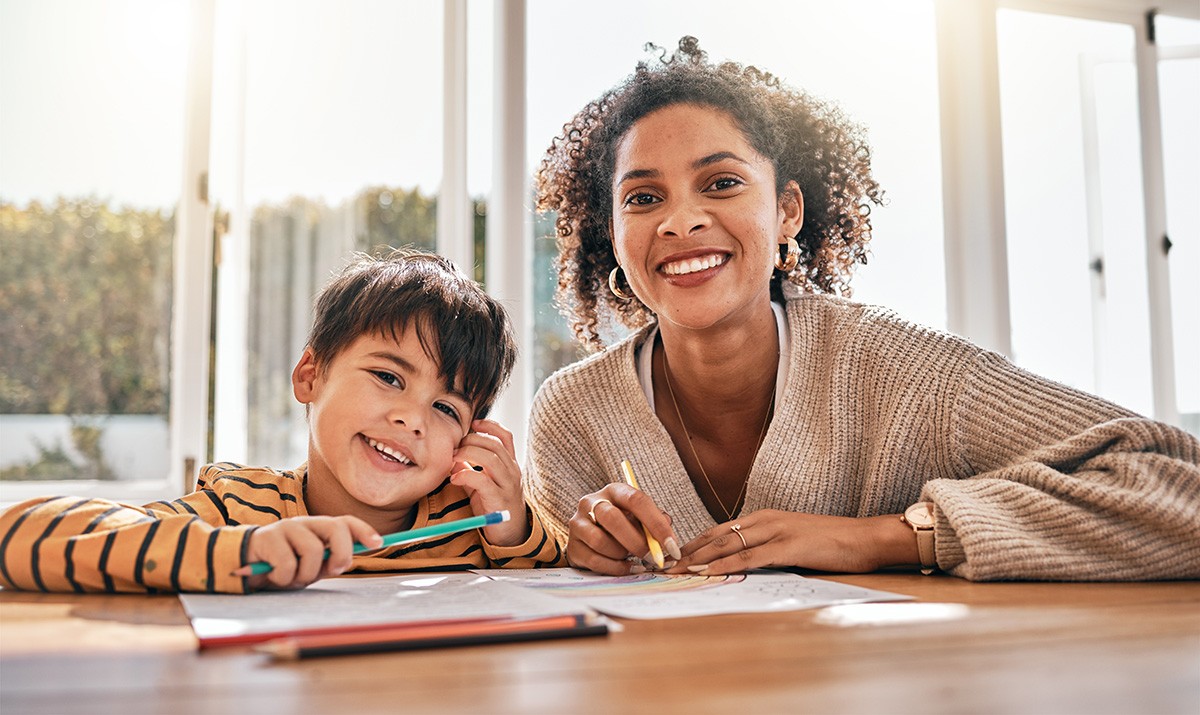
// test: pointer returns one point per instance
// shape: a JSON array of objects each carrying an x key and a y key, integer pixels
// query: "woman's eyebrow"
[
  {"x": 718, "y": 156},
  {"x": 638, "y": 174}
]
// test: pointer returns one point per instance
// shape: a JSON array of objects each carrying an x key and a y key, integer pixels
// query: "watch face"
[{"x": 919, "y": 515}]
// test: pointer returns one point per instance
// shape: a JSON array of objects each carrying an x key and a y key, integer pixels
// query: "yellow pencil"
[{"x": 655, "y": 548}]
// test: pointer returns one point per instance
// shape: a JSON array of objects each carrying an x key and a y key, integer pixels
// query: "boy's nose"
[{"x": 409, "y": 420}]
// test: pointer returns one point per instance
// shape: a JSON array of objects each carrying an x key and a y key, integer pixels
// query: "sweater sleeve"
[
  {"x": 561, "y": 467},
  {"x": 66, "y": 544},
  {"x": 1063, "y": 485}
]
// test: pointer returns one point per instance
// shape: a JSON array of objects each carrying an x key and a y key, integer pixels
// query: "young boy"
[{"x": 403, "y": 363}]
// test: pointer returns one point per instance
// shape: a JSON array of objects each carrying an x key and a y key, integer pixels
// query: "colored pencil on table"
[
  {"x": 405, "y": 537},
  {"x": 417, "y": 636}
]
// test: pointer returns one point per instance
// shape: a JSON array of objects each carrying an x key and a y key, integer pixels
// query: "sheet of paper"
[
  {"x": 360, "y": 601},
  {"x": 652, "y": 595}
]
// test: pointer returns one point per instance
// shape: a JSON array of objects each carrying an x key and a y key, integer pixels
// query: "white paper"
[
  {"x": 652, "y": 595},
  {"x": 357, "y": 601}
]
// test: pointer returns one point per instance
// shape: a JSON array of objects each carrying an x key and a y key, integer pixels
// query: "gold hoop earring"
[
  {"x": 787, "y": 261},
  {"x": 612, "y": 285}
]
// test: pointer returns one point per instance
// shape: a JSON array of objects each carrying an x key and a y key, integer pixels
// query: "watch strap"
[{"x": 926, "y": 550}]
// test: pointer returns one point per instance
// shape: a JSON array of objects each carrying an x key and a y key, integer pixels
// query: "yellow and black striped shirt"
[{"x": 194, "y": 543}]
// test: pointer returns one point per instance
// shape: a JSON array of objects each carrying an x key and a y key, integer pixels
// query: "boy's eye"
[
  {"x": 387, "y": 378},
  {"x": 448, "y": 409}
]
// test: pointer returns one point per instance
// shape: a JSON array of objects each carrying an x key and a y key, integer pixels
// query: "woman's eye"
[
  {"x": 641, "y": 199},
  {"x": 448, "y": 409},
  {"x": 387, "y": 378},
  {"x": 725, "y": 182}
]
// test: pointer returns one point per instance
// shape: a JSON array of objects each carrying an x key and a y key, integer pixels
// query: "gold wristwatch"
[{"x": 920, "y": 517}]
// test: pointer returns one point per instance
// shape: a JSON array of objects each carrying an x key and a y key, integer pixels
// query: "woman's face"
[{"x": 697, "y": 222}]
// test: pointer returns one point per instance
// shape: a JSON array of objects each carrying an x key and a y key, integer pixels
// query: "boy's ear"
[{"x": 304, "y": 377}]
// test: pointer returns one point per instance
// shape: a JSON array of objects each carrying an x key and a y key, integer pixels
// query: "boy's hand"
[
  {"x": 295, "y": 548},
  {"x": 492, "y": 478}
]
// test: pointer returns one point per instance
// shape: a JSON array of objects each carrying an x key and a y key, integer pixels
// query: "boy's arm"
[
  {"x": 539, "y": 550},
  {"x": 69, "y": 544}
]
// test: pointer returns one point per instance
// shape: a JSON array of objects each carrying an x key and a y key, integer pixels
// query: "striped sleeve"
[
  {"x": 68, "y": 544},
  {"x": 465, "y": 549},
  {"x": 540, "y": 550}
]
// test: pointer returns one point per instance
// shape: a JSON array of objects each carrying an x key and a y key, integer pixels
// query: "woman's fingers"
[
  {"x": 598, "y": 539},
  {"x": 590, "y": 547},
  {"x": 728, "y": 548},
  {"x": 608, "y": 527}
]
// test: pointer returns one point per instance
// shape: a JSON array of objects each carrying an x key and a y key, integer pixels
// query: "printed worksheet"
[
  {"x": 653, "y": 595},
  {"x": 350, "y": 602}
]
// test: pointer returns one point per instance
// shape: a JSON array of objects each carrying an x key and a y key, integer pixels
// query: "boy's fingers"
[
  {"x": 309, "y": 547},
  {"x": 362, "y": 532},
  {"x": 491, "y": 427},
  {"x": 341, "y": 549},
  {"x": 477, "y": 447}
]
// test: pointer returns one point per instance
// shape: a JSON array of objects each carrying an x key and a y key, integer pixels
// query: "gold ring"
[
  {"x": 737, "y": 529},
  {"x": 592, "y": 511}
]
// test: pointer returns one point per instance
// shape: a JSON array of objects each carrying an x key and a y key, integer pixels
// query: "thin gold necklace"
[{"x": 745, "y": 480}]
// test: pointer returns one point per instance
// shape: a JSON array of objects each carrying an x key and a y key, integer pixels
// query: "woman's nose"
[{"x": 684, "y": 218}]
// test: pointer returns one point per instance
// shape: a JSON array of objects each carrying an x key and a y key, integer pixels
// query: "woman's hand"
[
  {"x": 606, "y": 530},
  {"x": 779, "y": 538},
  {"x": 492, "y": 478},
  {"x": 295, "y": 548}
]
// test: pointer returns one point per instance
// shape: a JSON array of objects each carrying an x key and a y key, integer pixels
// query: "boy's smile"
[{"x": 383, "y": 427}]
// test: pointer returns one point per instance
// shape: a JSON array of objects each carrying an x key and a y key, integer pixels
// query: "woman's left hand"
[{"x": 780, "y": 538}]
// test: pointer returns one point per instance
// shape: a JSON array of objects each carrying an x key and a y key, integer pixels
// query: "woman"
[{"x": 771, "y": 422}]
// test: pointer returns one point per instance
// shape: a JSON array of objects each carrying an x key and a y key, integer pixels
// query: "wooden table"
[{"x": 960, "y": 648}]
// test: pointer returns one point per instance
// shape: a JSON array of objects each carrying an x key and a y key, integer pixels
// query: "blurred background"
[{"x": 178, "y": 177}]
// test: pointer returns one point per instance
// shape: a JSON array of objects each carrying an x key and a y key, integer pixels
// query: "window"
[
  {"x": 327, "y": 140},
  {"x": 1179, "y": 87},
  {"x": 89, "y": 184},
  {"x": 1081, "y": 236},
  {"x": 338, "y": 127}
]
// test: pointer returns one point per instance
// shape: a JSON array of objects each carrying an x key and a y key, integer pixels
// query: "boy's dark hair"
[{"x": 461, "y": 328}]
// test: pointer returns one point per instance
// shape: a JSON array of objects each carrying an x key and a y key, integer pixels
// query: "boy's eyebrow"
[
  {"x": 410, "y": 368},
  {"x": 394, "y": 358}
]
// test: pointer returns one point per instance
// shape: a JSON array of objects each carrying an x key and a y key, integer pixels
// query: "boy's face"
[{"x": 383, "y": 428}]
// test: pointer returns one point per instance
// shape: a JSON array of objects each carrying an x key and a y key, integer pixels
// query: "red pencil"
[
  {"x": 436, "y": 635},
  {"x": 252, "y": 638}
]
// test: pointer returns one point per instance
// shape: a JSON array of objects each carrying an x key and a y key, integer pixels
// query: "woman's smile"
[{"x": 697, "y": 218}]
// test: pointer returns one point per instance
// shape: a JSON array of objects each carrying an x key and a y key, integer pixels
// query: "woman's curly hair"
[{"x": 805, "y": 139}]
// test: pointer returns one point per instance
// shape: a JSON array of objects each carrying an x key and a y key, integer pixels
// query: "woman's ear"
[
  {"x": 304, "y": 377},
  {"x": 791, "y": 211}
]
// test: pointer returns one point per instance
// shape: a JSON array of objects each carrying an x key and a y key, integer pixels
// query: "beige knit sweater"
[{"x": 1031, "y": 479}]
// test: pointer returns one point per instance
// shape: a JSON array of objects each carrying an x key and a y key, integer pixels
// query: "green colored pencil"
[{"x": 405, "y": 537}]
